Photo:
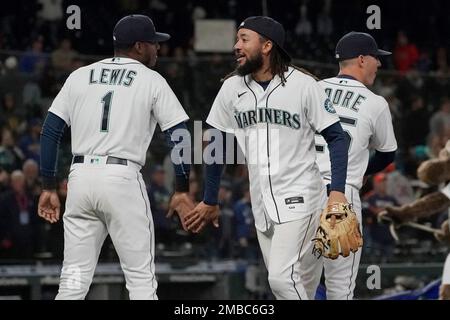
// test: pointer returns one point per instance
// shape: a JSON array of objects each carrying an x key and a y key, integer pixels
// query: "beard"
[{"x": 251, "y": 65}]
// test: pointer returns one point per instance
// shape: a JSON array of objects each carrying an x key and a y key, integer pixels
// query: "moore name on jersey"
[{"x": 345, "y": 98}]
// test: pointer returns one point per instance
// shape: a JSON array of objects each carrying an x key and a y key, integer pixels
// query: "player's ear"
[
  {"x": 267, "y": 47},
  {"x": 138, "y": 46},
  {"x": 360, "y": 60}
]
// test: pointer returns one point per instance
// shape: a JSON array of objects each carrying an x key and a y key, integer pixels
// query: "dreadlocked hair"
[
  {"x": 229, "y": 75},
  {"x": 303, "y": 70}
]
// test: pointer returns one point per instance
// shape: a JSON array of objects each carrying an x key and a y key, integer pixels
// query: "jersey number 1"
[{"x": 106, "y": 100}]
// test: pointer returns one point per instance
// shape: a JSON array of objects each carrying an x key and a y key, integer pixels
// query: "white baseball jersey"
[
  {"x": 102, "y": 101},
  {"x": 365, "y": 118},
  {"x": 275, "y": 129}
]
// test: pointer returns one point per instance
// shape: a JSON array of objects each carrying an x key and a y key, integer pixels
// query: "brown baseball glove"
[{"x": 338, "y": 233}]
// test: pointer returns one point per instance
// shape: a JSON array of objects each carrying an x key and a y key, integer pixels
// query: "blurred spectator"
[
  {"x": 415, "y": 129},
  {"x": 159, "y": 199},
  {"x": 30, "y": 143},
  {"x": 324, "y": 21},
  {"x": 224, "y": 234},
  {"x": 424, "y": 62},
  {"x": 440, "y": 120},
  {"x": 405, "y": 54},
  {"x": 436, "y": 141},
  {"x": 30, "y": 170},
  {"x": 11, "y": 116},
  {"x": 32, "y": 99},
  {"x": 11, "y": 157},
  {"x": 398, "y": 185},
  {"x": 4, "y": 180},
  {"x": 51, "y": 14},
  {"x": 18, "y": 212},
  {"x": 304, "y": 25},
  {"x": 12, "y": 81},
  {"x": 245, "y": 227},
  {"x": 64, "y": 56},
  {"x": 34, "y": 60},
  {"x": 376, "y": 201}
]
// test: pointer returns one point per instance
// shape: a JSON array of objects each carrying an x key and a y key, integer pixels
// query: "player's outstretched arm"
[
  {"x": 208, "y": 210},
  {"x": 52, "y": 132},
  {"x": 180, "y": 202}
]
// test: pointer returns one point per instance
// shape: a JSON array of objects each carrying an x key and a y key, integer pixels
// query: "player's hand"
[
  {"x": 198, "y": 218},
  {"x": 182, "y": 205},
  {"x": 49, "y": 206},
  {"x": 336, "y": 196}
]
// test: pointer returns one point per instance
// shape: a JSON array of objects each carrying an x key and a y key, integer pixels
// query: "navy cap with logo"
[
  {"x": 269, "y": 28},
  {"x": 137, "y": 28},
  {"x": 354, "y": 44}
]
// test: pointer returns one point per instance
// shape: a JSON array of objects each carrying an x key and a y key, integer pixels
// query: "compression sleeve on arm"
[
  {"x": 182, "y": 169},
  {"x": 213, "y": 173},
  {"x": 338, "y": 147},
  {"x": 51, "y": 134}
]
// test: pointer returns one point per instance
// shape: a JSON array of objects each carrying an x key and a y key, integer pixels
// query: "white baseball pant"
[
  {"x": 287, "y": 254},
  {"x": 107, "y": 198}
]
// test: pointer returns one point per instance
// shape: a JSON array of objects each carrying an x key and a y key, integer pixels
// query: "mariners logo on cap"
[{"x": 329, "y": 106}]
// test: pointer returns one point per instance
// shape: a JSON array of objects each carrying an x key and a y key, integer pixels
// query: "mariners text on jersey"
[
  {"x": 112, "y": 76},
  {"x": 267, "y": 115}
]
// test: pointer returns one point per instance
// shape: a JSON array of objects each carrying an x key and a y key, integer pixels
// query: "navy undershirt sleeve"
[
  {"x": 338, "y": 147},
  {"x": 379, "y": 161},
  {"x": 182, "y": 169},
  {"x": 213, "y": 173},
  {"x": 51, "y": 135}
]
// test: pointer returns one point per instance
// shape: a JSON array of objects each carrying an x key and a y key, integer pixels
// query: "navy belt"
[{"x": 109, "y": 160}]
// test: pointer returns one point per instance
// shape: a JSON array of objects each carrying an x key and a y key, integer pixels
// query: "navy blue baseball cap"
[
  {"x": 269, "y": 28},
  {"x": 137, "y": 28},
  {"x": 354, "y": 44}
]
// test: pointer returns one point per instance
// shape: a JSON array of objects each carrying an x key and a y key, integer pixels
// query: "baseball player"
[
  {"x": 112, "y": 107},
  {"x": 274, "y": 109},
  {"x": 366, "y": 120}
]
